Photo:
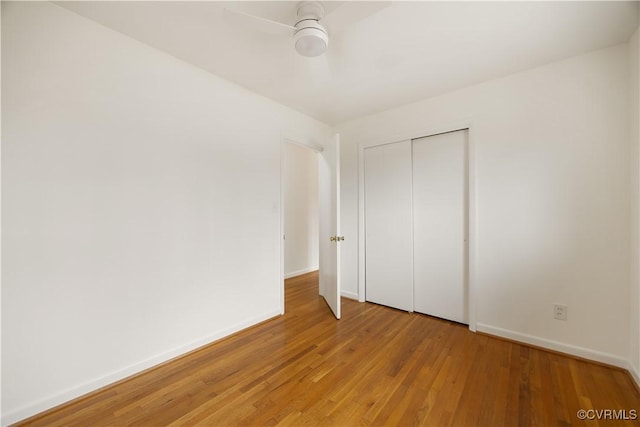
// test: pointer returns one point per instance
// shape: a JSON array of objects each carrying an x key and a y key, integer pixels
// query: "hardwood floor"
[{"x": 376, "y": 366}]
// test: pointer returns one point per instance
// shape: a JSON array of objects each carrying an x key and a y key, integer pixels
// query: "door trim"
[{"x": 471, "y": 214}]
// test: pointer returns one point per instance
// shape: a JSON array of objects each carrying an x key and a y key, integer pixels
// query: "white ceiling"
[{"x": 403, "y": 53}]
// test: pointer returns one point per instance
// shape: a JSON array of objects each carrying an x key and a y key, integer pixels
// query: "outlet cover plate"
[{"x": 560, "y": 311}]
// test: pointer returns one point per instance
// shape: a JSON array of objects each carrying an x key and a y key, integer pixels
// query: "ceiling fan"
[{"x": 312, "y": 25}]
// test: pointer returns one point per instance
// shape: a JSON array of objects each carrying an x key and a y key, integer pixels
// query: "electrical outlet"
[{"x": 560, "y": 311}]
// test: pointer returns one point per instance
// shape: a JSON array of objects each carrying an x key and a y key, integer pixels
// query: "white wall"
[
  {"x": 552, "y": 158},
  {"x": 634, "y": 123},
  {"x": 300, "y": 185},
  {"x": 140, "y": 202}
]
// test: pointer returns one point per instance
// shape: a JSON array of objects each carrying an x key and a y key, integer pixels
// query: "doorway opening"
[
  {"x": 314, "y": 217},
  {"x": 300, "y": 210}
]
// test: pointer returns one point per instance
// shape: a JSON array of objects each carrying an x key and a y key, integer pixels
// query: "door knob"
[
  {"x": 333, "y": 238},
  {"x": 340, "y": 238}
]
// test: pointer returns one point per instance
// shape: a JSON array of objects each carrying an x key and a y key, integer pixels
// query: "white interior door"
[
  {"x": 388, "y": 228},
  {"x": 440, "y": 225},
  {"x": 329, "y": 224}
]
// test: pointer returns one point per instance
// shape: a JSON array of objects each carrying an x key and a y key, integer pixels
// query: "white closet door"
[
  {"x": 388, "y": 230},
  {"x": 440, "y": 225}
]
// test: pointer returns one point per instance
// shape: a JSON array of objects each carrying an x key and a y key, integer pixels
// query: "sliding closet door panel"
[
  {"x": 388, "y": 230},
  {"x": 440, "y": 225}
]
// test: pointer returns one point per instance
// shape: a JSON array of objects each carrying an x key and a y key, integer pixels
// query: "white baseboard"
[
  {"x": 349, "y": 294},
  {"x": 573, "y": 350},
  {"x": 36, "y": 407},
  {"x": 300, "y": 272}
]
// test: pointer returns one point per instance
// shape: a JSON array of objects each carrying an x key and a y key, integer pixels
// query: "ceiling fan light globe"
[{"x": 311, "y": 42}]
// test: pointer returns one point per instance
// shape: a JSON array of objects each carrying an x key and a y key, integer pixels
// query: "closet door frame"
[{"x": 471, "y": 214}]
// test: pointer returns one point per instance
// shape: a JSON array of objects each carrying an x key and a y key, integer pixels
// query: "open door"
[{"x": 329, "y": 222}]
